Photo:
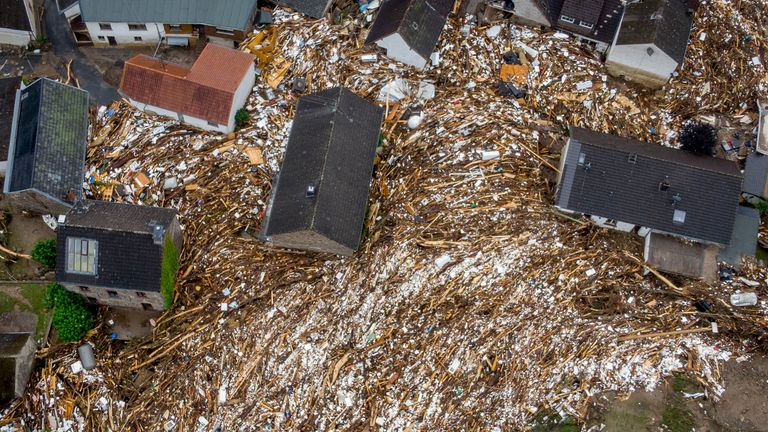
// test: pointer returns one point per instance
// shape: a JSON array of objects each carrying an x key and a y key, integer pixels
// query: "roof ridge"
[{"x": 325, "y": 156}]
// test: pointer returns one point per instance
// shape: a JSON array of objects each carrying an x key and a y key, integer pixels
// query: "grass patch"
[
  {"x": 549, "y": 421},
  {"x": 34, "y": 294},
  {"x": 676, "y": 418},
  {"x": 681, "y": 383},
  {"x": 168, "y": 272}
]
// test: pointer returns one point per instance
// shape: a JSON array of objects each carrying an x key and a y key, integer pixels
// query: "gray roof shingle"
[
  {"x": 234, "y": 14},
  {"x": 13, "y": 15},
  {"x": 332, "y": 146},
  {"x": 664, "y": 23},
  {"x": 621, "y": 179},
  {"x": 419, "y": 23},
  {"x": 604, "y": 14},
  {"x": 115, "y": 216}
]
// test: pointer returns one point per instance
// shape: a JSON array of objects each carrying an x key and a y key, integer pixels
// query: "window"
[
  {"x": 141, "y": 294},
  {"x": 81, "y": 255},
  {"x": 586, "y": 24},
  {"x": 174, "y": 27},
  {"x": 649, "y": 51},
  {"x": 137, "y": 27},
  {"x": 137, "y": 38},
  {"x": 102, "y": 38},
  {"x": 678, "y": 217},
  {"x": 225, "y": 31},
  {"x": 567, "y": 19},
  {"x": 83, "y": 288},
  {"x": 611, "y": 222},
  {"x": 112, "y": 293},
  {"x": 582, "y": 158},
  {"x": 213, "y": 124},
  {"x": 105, "y": 26},
  {"x": 632, "y": 158}
]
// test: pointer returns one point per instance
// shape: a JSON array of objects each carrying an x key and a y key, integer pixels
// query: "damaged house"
[
  {"x": 684, "y": 204},
  {"x": 18, "y": 22},
  {"x": 409, "y": 29},
  {"x": 118, "y": 254},
  {"x": 320, "y": 196},
  {"x": 46, "y": 155}
]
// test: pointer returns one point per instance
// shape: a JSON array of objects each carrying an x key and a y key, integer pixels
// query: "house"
[
  {"x": 409, "y": 29},
  {"x": 313, "y": 8},
  {"x": 8, "y": 87},
  {"x": 320, "y": 197},
  {"x": 651, "y": 41},
  {"x": 17, "y": 356},
  {"x": 175, "y": 22},
  {"x": 762, "y": 127},
  {"x": 112, "y": 253},
  {"x": 756, "y": 177},
  {"x": 206, "y": 96},
  {"x": 680, "y": 256},
  {"x": 18, "y": 22},
  {"x": 595, "y": 21},
  {"x": 46, "y": 156},
  {"x": 624, "y": 183}
]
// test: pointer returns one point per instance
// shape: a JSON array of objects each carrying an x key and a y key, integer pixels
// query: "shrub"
[
  {"x": 241, "y": 117},
  {"x": 44, "y": 252},
  {"x": 699, "y": 138},
  {"x": 71, "y": 318},
  {"x": 168, "y": 272}
]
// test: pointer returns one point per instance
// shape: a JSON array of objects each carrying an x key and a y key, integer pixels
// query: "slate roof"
[
  {"x": 604, "y": 14},
  {"x": 756, "y": 175},
  {"x": 621, "y": 179},
  {"x": 8, "y": 87},
  {"x": 744, "y": 237},
  {"x": 206, "y": 90},
  {"x": 664, "y": 23},
  {"x": 313, "y": 8},
  {"x": 332, "y": 146},
  {"x": 13, "y": 15},
  {"x": 127, "y": 256},
  {"x": 48, "y": 154},
  {"x": 419, "y": 23},
  {"x": 233, "y": 14}
]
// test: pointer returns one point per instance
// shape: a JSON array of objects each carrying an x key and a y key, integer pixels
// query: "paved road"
[{"x": 64, "y": 46}]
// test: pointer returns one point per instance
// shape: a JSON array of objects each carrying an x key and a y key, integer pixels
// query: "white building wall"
[
  {"x": 72, "y": 11},
  {"x": 123, "y": 36},
  {"x": 15, "y": 37},
  {"x": 194, "y": 121},
  {"x": 617, "y": 225},
  {"x": 398, "y": 50},
  {"x": 241, "y": 95},
  {"x": 634, "y": 63}
]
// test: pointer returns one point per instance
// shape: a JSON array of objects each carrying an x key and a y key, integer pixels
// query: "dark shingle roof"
[
  {"x": 620, "y": 179},
  {"x": 332, "y": 146},
  {"x": 744, "y": 238},
  {"x": 313, "y": 8},
  {"x": 756, "y": 175},
  {"x": 118, "y": 216},
  {"x": 664, "y": 23},
  {"x": 52, "y": 129},
  {"x": 419, "y": 22},
  {"x": 604, "y": 14},
  {"x": 13, "y": 15},
  {"x": 8, "y": 87},
  {"x": 584, "y": 10},
  {"x": 234, "y": 14}
]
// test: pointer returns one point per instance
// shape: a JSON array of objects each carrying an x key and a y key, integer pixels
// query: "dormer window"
[
  {"x": 586, "y": 24},
  {"x": 567, "y": 19},
  {"x": 81, "y": 255}
]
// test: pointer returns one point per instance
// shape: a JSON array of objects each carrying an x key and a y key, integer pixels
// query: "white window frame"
[
  {"x": 141, "y": 27},
  {"x": 678, "y": 217},
  {"x": 586, "y": 25},
  {"x": 567, "y": 19},
  {"x": 82, "y": 256}
]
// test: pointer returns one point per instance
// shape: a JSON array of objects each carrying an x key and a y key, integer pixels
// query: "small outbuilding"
[
  {"x": 409, "y": 29},
  {"x": 651, "y": 41},
  {"x": 46, "y": 156},
  {"x": 744, "y": 237},
  {"x": 17, "y": 356},
  {"x": 320, "y": 196},
  {"x": 118, "y": 254},
  {"x": 756, "y": 176}
]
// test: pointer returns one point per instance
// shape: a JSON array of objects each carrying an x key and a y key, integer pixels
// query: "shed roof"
[
  {"x": 418, "y": 22},
  {"x": 669, "y": 190},
  {"x": 332, "y": 146},
  {"x": 313, "y": 8},
  {"x": 206, "y": 90},
  {"x": 115, "y": 216},
  {"x": 756, "y": 175},
  {"x": 48, "y": 154},
  {"x": 744, "y": 237},
  {"x": 233, "y": 14},
  {"x": 13, "y": 15},
  {"x": 664, "y": 23},
  {"x": 8, "y": 87}
]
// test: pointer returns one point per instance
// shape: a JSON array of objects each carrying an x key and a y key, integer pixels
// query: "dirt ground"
[
  {"x": 110, "y": 60},
  {"x": 743, "y": 407},
  {"x": 23, "y": 232}
]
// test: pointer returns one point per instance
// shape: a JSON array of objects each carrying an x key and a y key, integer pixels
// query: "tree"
[
  {"x": 241, "y": 117},
  {"x": 71, "y": 318},
  {"x": 44, "y": 252},
  {"x": 699, "y": 138}
]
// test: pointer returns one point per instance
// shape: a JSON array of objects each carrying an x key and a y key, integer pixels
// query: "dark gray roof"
[
  {"x": 8, "y": 87},
  {"x": 114, "y": 216},
  {"x": 13, "y": 15},
  {"x": 755, "y": 175},
  {"x": 584, "y": 10},
  {"x": 64, "y": 4},
  {"x": 48, "y": 154},
  {"x": 744, "y": 238},
  {"x": 621, "y": 179},
  {"x": 234, "y": 14},
  {"x": 127, "y": 255},
  {"x": 664, "y": 23},
  {"x": 332, "y": 146},
  {"x": 419, "y": 23},
  {"x": 604, "y": 14},
  {"x": 313, "y": 8}
]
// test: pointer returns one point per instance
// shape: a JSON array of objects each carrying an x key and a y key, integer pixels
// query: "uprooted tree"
[
  {"x": 699, "y": 138},
  {"x": 71, "y": 318}
]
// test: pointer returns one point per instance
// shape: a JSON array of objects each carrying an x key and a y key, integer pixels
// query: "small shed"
[
  {"x": 676, "y": 255},
  {"x": 744, "y": 237},
  {"x": 409, "y": 29},
  {"x": 320, "y": 196},
  {"x": 46, "y": 156},
  {"x": 17, "y": 355},
  {"x": 756, "y": 176}
]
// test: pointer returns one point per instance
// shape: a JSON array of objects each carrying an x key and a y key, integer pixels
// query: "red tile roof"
[{"x": 204, "y": 91}]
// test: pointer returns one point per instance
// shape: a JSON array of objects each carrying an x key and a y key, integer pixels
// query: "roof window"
[
  {"x": 567, "y": 19},
  {"x": 586, "y": 24},
  {"x": 678, "y": 217}
]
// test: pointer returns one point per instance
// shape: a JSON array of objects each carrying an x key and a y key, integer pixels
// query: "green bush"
[
  {"x": 44, "y": 252},
  {"x": 241, "y": 117},
  {"x": 168, "y": 272},
  {"x": 71, "y": 318}
]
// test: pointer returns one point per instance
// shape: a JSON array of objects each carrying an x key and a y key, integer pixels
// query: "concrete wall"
[
  {"x": 634, "y": 63},
  {"x": 123, "y": 36},
  {"x": 125, "y": 298},
  {"x": 15, "y": 37},
  {"x": 398, "y": 50},
  {"x": 310, "y": 240},
  {"x": 24, "y": 362}
]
